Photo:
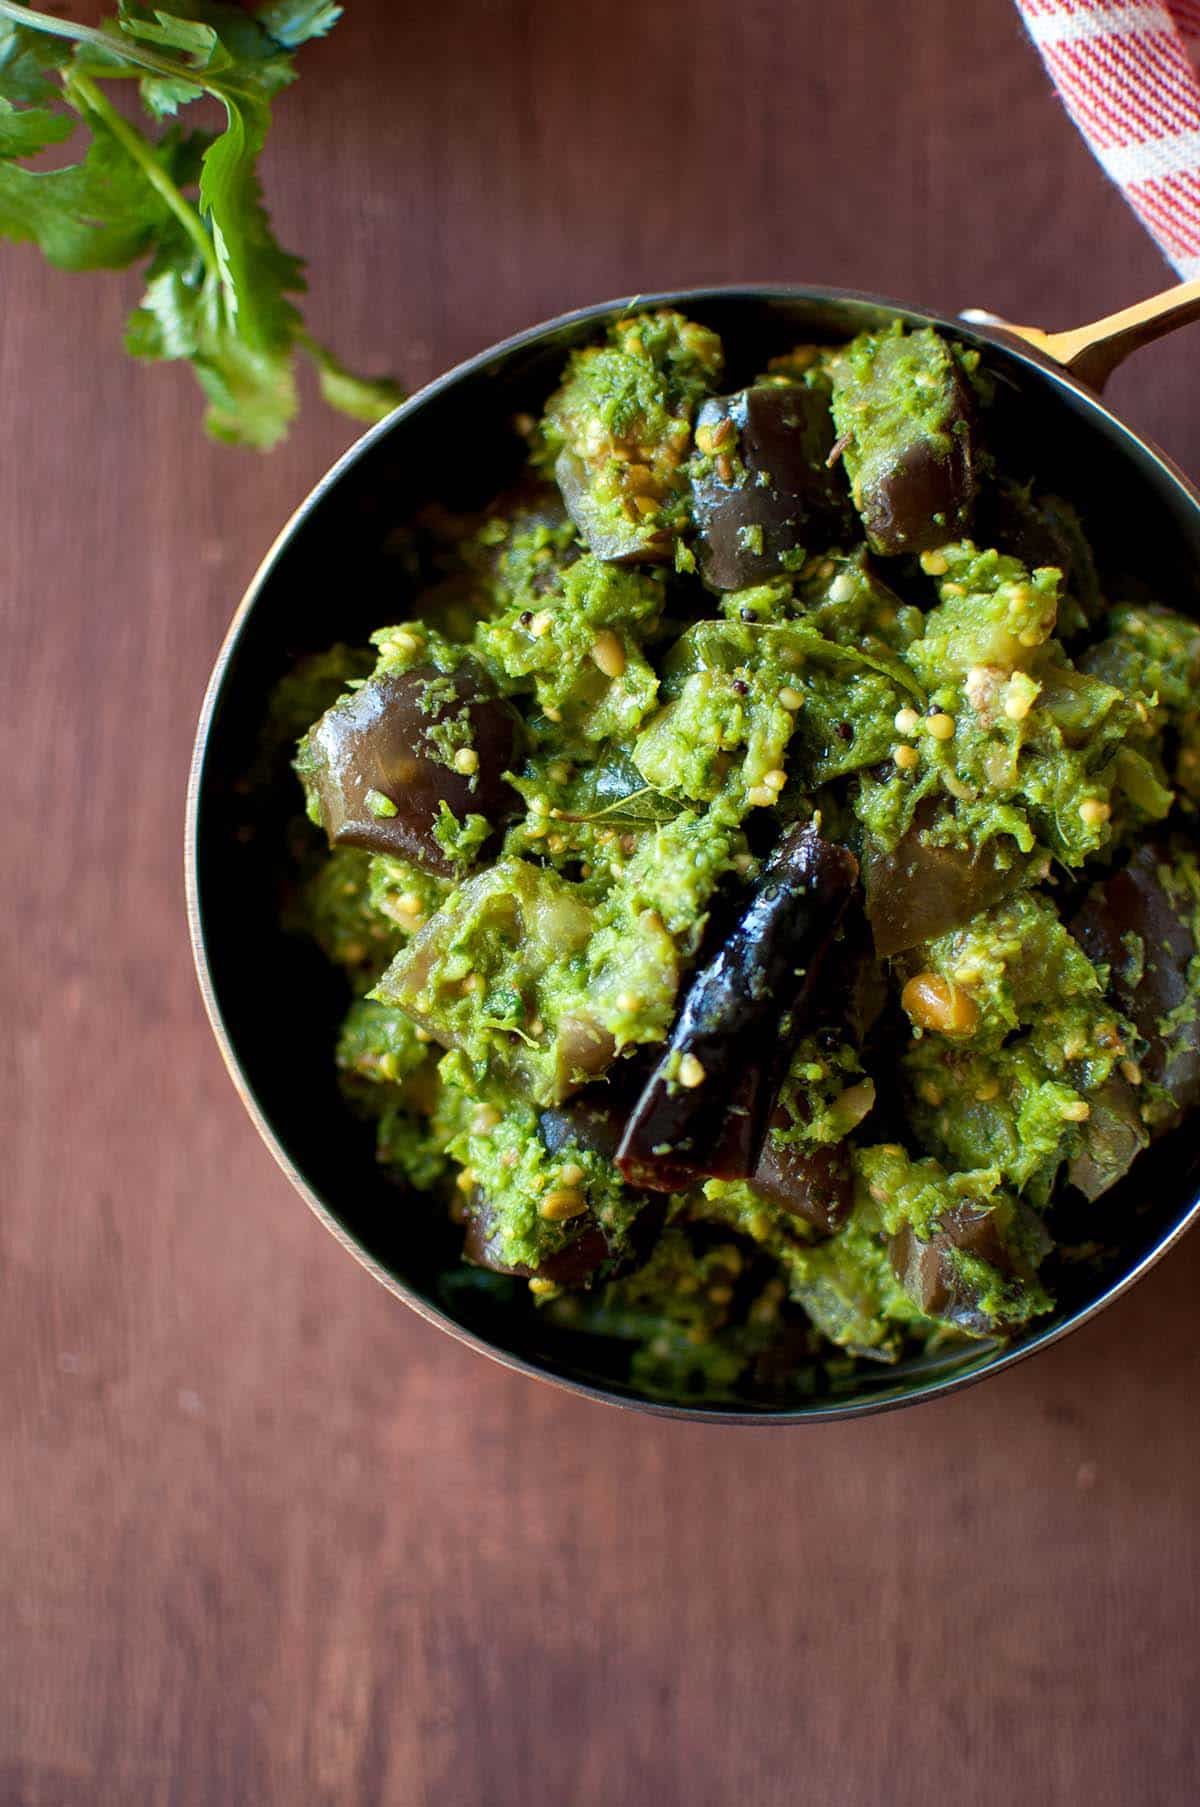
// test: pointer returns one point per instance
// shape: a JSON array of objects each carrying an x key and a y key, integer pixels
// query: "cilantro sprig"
[{"x": 187, "y": 204}]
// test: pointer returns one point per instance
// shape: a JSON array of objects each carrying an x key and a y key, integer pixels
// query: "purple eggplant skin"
[
  {"x": 934, "y": 1281},
  {"x": 919, "y": 891},
  {"x": 374, "y": 744},
  {"x": 1132, "y": 924},
  {"x": 1113, "y": 1137},
  {"x": 608, "y": 532},
  {"x": 736, "y": 1021},
  {"x": 582, "y": 1123},
  {"x": 781, "y": 494},
  {"x": 575, "y": 1265},
  {"x": 815, "y": 1184},
  {"x": 594, "y": 1119},
  {"x": 585, "y": 1258},
  {"x": 590, "y": 1122},
  {"x": 912, "y": 470},
  {"x": 1040, "y": 530}
]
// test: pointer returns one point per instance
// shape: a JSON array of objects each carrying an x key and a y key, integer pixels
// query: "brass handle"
[{"x": 1093, "y": 352}]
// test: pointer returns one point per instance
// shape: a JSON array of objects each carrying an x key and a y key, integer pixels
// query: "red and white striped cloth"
[{"x": 1129, "y": 74}]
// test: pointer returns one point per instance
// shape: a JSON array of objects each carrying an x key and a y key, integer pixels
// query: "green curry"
[{"x": 761, "y": 864}]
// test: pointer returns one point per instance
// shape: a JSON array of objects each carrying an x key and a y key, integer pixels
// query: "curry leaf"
[
  {"x": 616, "y": 794},
  {"x": 646, "y": 808}
]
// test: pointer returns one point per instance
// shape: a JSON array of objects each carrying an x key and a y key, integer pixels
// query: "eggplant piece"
[
  {"x": 1113, "y": 1137},
  {"x": 576, "y": 1264},
  {"x": 617, "y": 534},
  {"x": 594, "y": 1119},
  {"x": 918, "y": 891},
  {"x": 936, "y": 1283},
  {"x": 851, "y": 994},
  {"x": 579, "y": 1261},
  {"x": 378, "y": 773},
  {"x": 905, "y": 418},
  {"x": 582, "y": 1124},
  {"x": 812, "y": 1183},
  {"x": 781, "y": 493},
  {"x": 1132, "y": 924},
  {"x": 705, "y": 1109},
  {"x": 1040, "y": 531},
  {"x": 591, "y": 1123}
]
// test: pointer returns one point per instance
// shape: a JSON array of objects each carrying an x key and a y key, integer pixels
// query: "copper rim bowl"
[{"x": 274, "y": 1001}]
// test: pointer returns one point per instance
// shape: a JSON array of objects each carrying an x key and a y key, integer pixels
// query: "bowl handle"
[{"x": 1093, "y": 352}]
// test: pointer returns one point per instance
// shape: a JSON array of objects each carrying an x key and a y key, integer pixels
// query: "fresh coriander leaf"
[
  {"x": 196, "y": 38},
  {"x": 251, "y": 393},
  {"x": 221, "y": 40},
  {"x": 231, "y": 57},
  {"x": 256, "y": 270},
  {"x": 26, "y": 130},
  {"x": 163, "y": 95},
  {"x": 293, "y": 22},
  {"x": 219, "y": 285},
  {"x": 363, "y": 398},
  {"x": 98, "y": 214},
  {"x": 27, "y": 62}
]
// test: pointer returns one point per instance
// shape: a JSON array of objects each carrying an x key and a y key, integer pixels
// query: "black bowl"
[{"x": 333, "y": 574}]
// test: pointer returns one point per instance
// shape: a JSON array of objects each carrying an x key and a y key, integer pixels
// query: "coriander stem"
[
  {"x": 83, "y": 34},
  {"x": 123, "y": 46},
  {"x": 135, "y": 146}
]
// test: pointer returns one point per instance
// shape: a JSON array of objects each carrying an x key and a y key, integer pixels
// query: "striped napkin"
[{"x": 1129, "y": 74}]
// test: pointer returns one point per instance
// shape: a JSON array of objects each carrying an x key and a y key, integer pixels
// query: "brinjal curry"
[{"x": 761, "y": 862}]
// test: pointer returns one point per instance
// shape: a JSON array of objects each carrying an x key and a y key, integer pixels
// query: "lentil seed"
[
  {"x": 607, "y": 654},
  {"x": 561, "y": 1205}
]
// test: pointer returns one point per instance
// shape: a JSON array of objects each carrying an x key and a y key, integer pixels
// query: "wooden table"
[{"x": 265, "y": 1538}]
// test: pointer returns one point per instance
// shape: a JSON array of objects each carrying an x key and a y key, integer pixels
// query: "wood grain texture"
[{"x": 265, "y": 1538}]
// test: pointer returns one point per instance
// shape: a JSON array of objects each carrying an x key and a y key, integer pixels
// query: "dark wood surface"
[{"x": 264, "y": 1536}]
